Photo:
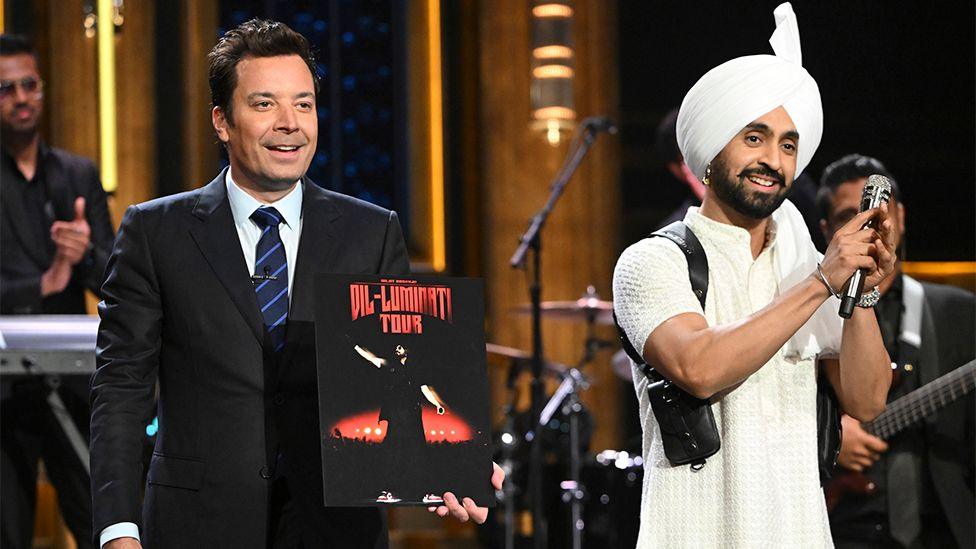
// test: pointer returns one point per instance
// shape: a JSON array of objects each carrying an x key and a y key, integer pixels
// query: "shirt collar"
[
  {"x": 242, "y": 205},
  {"x": 42, "y": 152},
  {"x": 724, "y": 233}
]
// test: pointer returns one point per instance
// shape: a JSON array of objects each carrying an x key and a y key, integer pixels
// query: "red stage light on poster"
[{"x": 437, "y": 428}]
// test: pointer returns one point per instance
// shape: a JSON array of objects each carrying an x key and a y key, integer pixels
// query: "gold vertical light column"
[
  {"x": 553, "y": 68},
  {"x": 108, "y": 138},
  {"x": 438, "y": 224}
]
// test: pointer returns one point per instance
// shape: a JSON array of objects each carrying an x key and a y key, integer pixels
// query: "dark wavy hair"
[
  {"x": 850, "y": 168},
  {"x": 254, "y": 38},
  {"x": 16, "y": 44}
]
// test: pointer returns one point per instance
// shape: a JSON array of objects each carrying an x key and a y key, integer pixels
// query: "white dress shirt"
[{"x": 242, "y": 205}]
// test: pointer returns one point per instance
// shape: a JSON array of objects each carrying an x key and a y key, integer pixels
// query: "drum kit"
[{"x": 600, "y": 492}]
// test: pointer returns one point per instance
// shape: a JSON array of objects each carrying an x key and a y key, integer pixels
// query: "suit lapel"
[
  {"x": 217, "y": 238},
  {"x": 316, "y": 249},
  {"x": 944, "y": 469},
  {"x": 316, "y": 254},
  {"x": 928, "y": 352}
]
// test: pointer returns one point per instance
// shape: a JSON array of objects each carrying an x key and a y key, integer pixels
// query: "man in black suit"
[
  {"x": 921, "y": 479},
  {"x": 55, "y": 238},
  {"x": 210, "y": 292}
]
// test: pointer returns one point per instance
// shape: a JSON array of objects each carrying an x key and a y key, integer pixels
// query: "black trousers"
[
  {"x": 291, "y": 525},
  {"x": 297, "y": 522},
  {"x": 29, "y": 431},
  {"x": 935, "y": 534}
]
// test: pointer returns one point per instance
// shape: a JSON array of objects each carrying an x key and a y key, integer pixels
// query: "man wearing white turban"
[{"x": 747, "y": 129}]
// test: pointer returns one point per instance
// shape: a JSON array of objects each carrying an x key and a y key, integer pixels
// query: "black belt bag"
[{"x": 688, "y": 430}]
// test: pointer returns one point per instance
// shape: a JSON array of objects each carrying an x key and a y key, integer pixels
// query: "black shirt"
[
  {"x": 37, "y": 206},
  {"x": 29, "y": 207}
]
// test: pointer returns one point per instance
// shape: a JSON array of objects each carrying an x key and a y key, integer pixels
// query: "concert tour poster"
[{"x": 403, "y": 389}]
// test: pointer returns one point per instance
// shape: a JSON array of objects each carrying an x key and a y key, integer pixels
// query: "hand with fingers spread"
[
  {"x": 852, "y": 248},
  {"x": 72, "y": 238},
  {"x": 859, "y": 449},
  {"x": 465, "y": 509}
]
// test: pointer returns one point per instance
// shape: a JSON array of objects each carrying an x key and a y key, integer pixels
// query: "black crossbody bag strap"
[
  {"x": 688, "y": 429},
  {"x": 685, "y": 239},
  {"x": 680, "y": 234}
]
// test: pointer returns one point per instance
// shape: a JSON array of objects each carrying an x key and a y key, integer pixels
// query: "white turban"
[{"x": 739, "y": 91}]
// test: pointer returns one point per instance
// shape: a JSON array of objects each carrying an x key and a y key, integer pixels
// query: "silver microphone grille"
[{"x": 878, "y": 187}]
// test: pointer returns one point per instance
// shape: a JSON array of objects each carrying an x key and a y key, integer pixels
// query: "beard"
[
  {"x": 11, "y": 128},
  {"x": 734, "y": 190}
]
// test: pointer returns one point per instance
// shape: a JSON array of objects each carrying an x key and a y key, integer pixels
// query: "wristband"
[
  {"x": 823, "y": 279},
  {"x": 869, "y": 299}
]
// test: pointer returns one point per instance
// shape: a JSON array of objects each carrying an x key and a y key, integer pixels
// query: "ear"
[
  {"x": 675, "y": 169},
  {"x": 220, "y": 124},
  {"x": 825, "y": 229}
]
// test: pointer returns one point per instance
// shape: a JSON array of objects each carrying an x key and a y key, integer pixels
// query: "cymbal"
[
  {"x": 580, "y": 310},
  {"x": 507, "y": 352},
  {"x": 518, "y": 355}
]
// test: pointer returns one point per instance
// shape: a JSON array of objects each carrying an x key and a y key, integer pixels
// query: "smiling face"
[
  {"x": 274, "y": 130},
  {"x": 754, "y": 173},
  {"x": 20, "y": 108}
]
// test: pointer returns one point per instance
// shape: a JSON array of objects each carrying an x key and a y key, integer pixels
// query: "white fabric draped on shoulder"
[{"x": 796, "y": 258}]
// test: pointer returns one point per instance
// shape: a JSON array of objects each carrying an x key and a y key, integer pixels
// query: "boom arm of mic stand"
[
  {"x": 532, "y": 240},
  {"x": 556, "y": 190}
]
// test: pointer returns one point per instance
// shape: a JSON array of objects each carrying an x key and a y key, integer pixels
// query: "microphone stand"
[{"x": 532, "y": 240}]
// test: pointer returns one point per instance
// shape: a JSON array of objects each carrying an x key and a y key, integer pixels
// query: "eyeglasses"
[{"x": 30, "y": 85}]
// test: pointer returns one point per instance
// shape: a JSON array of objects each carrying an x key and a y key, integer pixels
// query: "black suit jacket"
[
  {"x": 179, "y": 307},
  {"x": 949, "y": 341},
  {"x": 24, "y": 258}
]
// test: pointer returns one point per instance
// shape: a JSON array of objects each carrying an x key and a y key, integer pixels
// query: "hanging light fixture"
[{"x": 553, "y": 68}]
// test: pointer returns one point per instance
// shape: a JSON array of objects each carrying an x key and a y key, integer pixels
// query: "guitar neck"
[{"x": 923, "y": 402}]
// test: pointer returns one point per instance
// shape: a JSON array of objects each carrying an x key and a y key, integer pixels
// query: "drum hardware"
[
  {"x": 531, "y": 240},
  {"x": 589, "y": 308}
]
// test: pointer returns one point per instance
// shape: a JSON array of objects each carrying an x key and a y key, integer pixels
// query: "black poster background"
[{"x": 448, "y": 356}]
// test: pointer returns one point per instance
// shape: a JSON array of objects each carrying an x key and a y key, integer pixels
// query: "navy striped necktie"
[{"x": 271, "y": 275}]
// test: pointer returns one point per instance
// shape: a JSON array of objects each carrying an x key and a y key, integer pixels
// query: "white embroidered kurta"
[{"x": 762, "y": 488}]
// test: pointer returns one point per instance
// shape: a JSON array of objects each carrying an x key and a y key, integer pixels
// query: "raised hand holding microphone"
[
  {"x": 863, "y": 248},
  {"x": 877, "y": 191}
]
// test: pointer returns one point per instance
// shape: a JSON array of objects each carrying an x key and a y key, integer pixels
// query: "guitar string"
[
  {"x": 923, "y": 401},
  {"x": 906, "y": 412},
  {"x": 940, "y": 393},
  {"x": 939, "y": 389}
]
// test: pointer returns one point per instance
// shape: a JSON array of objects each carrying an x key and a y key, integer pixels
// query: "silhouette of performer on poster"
[{"x": 402, "y": 413}]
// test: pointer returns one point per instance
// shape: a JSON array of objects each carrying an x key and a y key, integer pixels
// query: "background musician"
[{"x": 917, "y": 487}]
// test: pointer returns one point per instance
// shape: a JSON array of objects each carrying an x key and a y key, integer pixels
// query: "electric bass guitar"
[{"x": 899, "y": 415}]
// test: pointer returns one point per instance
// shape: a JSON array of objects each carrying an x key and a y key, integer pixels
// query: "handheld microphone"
[{"x": 877, "y": 190}]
